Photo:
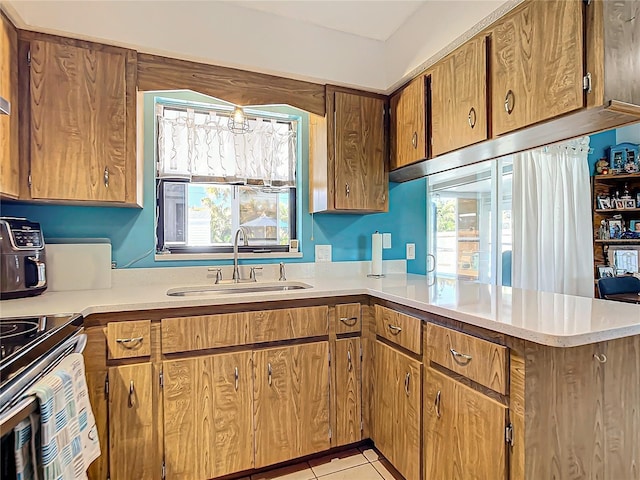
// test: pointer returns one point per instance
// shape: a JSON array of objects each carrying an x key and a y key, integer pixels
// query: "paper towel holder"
[{"x": 376, "y": 251}]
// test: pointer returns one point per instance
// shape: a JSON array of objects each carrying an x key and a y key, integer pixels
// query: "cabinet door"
[
  {"x": 537, "y": 64},
  {"x": 78, "y": 123},
  {"x": 131, "y": 423},
  {"x": 208, "y": 428},
  {"x": 360, "y": 174},
  {"x": 9, "y": 166},
  {"x": 348, "y": 391},
  {"x": 408, "y": 129},
  {"x": 385, "y": 386},
  {"x": 464, "y": 431},
  {"x": 291, "y": 402},
  {"x": 459, "y": 98}
]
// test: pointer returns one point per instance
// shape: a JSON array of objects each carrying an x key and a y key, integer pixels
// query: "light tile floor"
[{"x": 357, "y": 464}]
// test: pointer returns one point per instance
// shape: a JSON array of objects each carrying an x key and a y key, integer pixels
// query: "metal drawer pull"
[
  {"x": 437, "y": 404},
  {"x": 131, "y": 394},
  {"x": 349, "y": 363},
  {"x": 237, "y": 377},
  {"x": 414, "y": 140},
  {"x": 269, "y": 372},
  {"x": 349, "y": 321},
  {"x": 129, "y": 342},
  {"x": 395, "y": 329},
  {"x": 106, "y": 177},
  {"x": 509, "y": 102},
  {"x": 600, "y": 357},
  {"x": 464, "y": 356},
  {"x": 347, "y": 189},
  {"x": 407, "y": 379},
  {"x": 472, "y": 117}
]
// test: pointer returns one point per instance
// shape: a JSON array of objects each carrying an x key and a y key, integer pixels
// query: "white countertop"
[{"x": 545, "y": 318}]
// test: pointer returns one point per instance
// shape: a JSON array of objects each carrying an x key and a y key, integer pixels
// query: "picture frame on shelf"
[
  {"x": 622, "y": 155},
  {"x": 604, "y": 203},
  {"x": 624, "y": 257},
  {"x": 634, "y": 226},
  {"x": 629, "y": 203},
  {"x": 615, "y": 229},
  {"x": 618, "y": 204},
  {"x": 605, "y": 271}
]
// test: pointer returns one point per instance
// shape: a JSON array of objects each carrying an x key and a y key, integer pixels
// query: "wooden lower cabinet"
[
  {"x": 397, "y": 417},
  {"x": 290, "y": 402},
  {"x": 132, "y": 432},
  {"x": 348, "y": 392},
  {"x": 463, "y": 431},
  {"x": 208, "y": 427}
]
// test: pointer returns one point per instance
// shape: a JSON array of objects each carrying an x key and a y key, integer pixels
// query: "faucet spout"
[{"x": 245, "y": 238}]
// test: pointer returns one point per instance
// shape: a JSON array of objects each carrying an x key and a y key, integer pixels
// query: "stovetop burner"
[{"x": 15, "y": 328}]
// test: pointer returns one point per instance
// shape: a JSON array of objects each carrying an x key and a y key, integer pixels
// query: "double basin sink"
[{"x": 231, "y": 288}]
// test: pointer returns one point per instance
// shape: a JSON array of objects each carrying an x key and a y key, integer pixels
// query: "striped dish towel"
[{"x": 68, "y": 438}]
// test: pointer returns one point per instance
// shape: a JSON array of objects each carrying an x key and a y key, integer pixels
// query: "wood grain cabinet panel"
[
  {"x": 408, "y": 124},
  {"x": 536, "y": 64},
  {"x": 348, "y": 367},
  {"x": 348, "y": 318},
  {"x": 82, "y": 128},
  {"x": 9, "y": 158},
  {"x": 291, "y": 402},
  {"x": 132, "y": 432},
  {"x": 208, "y": 427},
  {"x": 185, "y": 334},
  {"x": 459, "y": 98},
  {"x": 479, "y": 360},
  {"x": 129, "y": 339},
  {"x": 287, "y": 324},
  {"x": 397, "y": 416},
  {"x": 464, "y": 431},
  {"x": 399, "y": 328}
]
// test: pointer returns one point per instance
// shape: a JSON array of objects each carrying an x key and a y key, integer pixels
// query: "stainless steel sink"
[{"x": 229, "y": 288}]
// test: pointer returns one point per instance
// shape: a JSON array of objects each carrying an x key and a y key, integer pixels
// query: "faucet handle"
[
  {"x": 252, "y": 273},
  {"x": 282, "y": 278},
  {"x": 218, "y": 273}
]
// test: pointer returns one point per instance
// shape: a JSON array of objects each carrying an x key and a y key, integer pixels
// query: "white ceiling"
[
  {"x": 377, "y": 20},
  {"x": 370, "y": 44}
]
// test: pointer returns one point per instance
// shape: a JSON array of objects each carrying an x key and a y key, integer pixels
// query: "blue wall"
[
  {"x": 600, "y": 142},
  {"x": 132, "y": 231}
]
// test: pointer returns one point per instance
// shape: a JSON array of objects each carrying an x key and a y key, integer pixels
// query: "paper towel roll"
[{"x": 376, "y": 254}]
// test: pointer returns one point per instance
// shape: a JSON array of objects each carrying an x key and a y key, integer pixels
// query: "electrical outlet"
[
  {"x": 411, "y": 251},
  {"x": 386, "y": 240}
]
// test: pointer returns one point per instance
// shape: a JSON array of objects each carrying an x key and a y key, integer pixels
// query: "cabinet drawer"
[
  {"x": 129, "y": 339},
  {"x": 399, "y": 328},
  {"x": 479, "y": 360},
  {"x": 348, "y": 318},
  {"x": 183, "y": 334},
  {"x": 285, "y": 324}
]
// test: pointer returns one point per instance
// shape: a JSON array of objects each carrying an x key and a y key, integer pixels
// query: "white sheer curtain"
[
  {"x": 552, "y": 243},
  {"x": 194, "y": 144}
]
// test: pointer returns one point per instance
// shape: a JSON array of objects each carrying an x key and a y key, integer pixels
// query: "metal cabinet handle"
[
  {"x": 131, "y": 394},
  {"x": 433, "y": 262},
  {"x": 349, "y": 321},
  {"x": 464, "y": 356},
  {"x": 395, "y": 329},
  {"x": 106, "y": 177},
  {"x": 600, "y": 357},
  {"x": 237, "y": 377},
  {"x": 472, "y": 117},
  {"x": 349, "y": 363},
  {"x": 407, "y": 379},
  {"x": 437, "y": 404},
  {"x": 509, "y": 102},
  {"x": 129, "y": 342},
  {"x": 269, "y": 372},
  {"x": 414, "y": 140},
  {"x": 347, "y": 189}
]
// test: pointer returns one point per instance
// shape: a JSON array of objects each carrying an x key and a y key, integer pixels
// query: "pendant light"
[{"x": 238, "y": 122}]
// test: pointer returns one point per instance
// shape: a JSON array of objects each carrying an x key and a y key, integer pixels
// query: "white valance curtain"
[
  {"x": 199, "y": 145},
  {"x": 552, "y": 244}
]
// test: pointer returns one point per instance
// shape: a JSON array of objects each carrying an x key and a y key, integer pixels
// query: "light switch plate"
[
  {"x": 411, "y": 251},
  {"x": 323, "y": 253},
  {"x": 386, "y": 240}
]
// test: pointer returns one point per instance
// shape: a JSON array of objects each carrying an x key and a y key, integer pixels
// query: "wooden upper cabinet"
[
  {"x": 9, "y": 159},
  {"x": 459, "y": 98},
  {"x": 82, "y": 122},
  {"x": 347, "y": 154},
  {"x": 536, "y": 64},
  {"x": 408, "y": 124}
]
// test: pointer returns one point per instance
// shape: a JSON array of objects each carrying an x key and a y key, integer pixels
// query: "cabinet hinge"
[
  {"x": 161, "y": 379},
  {"x": 361, "y": 426},
  {"x": 587, "y": 2},
  {"x": 106, "y": 386},
  {"x": 29, "y": 180},
  {"x": 508, "y": 434},
  {"x": 164, "y": 470},
  {"x": 361, "y": 354},
  {"x": 29, "y": 57},
  {"x": 330, "y": 436},
  {"x": 586, "y": 82},
  {"x": 329, "y": 358}
]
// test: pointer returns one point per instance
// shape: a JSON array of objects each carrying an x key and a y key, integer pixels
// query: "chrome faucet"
[
  {"x": 245, "y": 238},
  {"x": 282, "y": 278}
]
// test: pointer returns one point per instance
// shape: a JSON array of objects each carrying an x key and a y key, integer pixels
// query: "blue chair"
[{"x": 616, "y": 285}]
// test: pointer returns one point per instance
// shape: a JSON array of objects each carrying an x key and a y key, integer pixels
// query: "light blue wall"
[
  {"x": 132, "y": 234},
  {"x": 600, "y": 142}
]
